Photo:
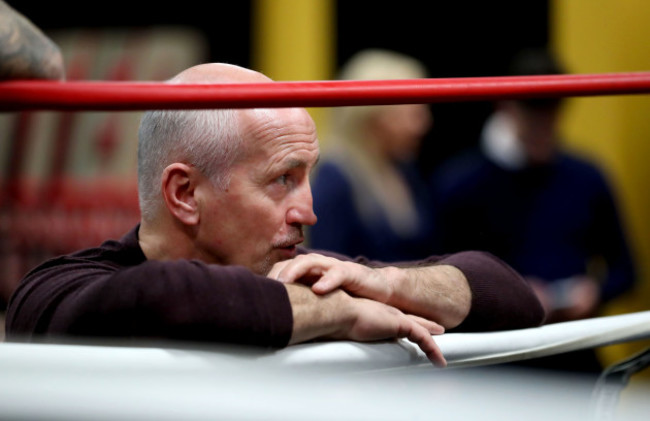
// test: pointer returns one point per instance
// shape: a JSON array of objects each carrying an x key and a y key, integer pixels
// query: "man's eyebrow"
[{"x": 298, "y": 163}]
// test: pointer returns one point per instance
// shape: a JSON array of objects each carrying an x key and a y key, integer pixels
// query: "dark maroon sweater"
[{"x": 113, "y": 291}]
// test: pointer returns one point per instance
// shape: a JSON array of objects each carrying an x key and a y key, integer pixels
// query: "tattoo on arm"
[{"x": 25, "y": 52}]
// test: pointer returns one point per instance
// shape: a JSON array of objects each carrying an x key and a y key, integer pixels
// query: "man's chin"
[{"x": 277, "y": 255}]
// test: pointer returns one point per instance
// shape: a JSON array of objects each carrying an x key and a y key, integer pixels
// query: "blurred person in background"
[
  {"x": 368, "y": 193},
  {"x": 547, "y": 212}
]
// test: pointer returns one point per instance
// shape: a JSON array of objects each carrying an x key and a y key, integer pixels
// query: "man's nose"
[{"x": 301, "y": 210}]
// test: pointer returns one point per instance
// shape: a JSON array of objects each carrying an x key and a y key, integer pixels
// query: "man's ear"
[{"x": 179, "y": 182}]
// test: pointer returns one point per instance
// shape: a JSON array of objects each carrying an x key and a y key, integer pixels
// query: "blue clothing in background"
[
  {"x": 547, "y": 221},
  {"x": 344, "y": 228}
]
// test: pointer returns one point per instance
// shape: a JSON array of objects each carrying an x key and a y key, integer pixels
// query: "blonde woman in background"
[{"x": 368, "y": 194}]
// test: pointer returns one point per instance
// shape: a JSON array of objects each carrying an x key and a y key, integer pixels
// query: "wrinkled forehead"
[
  {"x": 267, "y": 123},
  {"x": 267, "y": 131},
  {"x": 284, "y": 115}
]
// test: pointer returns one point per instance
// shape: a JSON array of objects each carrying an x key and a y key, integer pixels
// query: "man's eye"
[{"x": 282, "y": 179}]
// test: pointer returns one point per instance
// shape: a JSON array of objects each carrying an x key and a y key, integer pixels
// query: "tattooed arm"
[{"x": 25, "y": 52}]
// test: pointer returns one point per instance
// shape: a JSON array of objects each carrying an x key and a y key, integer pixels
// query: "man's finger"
[
  {"x": 277, "y": 269},
  {"x": 419, "y": 335},
  {"x": 331, "y": 280},
  {"x": 433, "y": 327},
  {"x": 303, "y": 266}
]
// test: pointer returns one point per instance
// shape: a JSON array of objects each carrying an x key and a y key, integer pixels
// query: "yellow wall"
[
  {"x": 595, "y": 36},
  {"x": 295, "y": 40}
]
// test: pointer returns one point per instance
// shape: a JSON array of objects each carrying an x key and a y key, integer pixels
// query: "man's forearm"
[
  {"x": 337, "y": 315},
  {"x": 436, "y": 292},
  {"x": 315, "y": 316},
  {"x": 440, "y": 293},
  {"x": 466, "y": 291}
]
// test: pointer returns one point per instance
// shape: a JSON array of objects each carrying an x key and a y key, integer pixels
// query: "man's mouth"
[{"x": 289, "y": 245}]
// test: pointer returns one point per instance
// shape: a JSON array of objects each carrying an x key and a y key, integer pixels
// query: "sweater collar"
[{"x": 130, "y": 242}]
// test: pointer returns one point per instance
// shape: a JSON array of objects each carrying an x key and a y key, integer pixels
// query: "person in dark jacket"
[{"x": 547, "y": 212}]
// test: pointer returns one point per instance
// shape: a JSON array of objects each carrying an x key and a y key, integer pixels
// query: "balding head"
[
  {"x": 209, "y": 140},
  {"x": 225, "y": 186},
  {"x": 219, "y": 73}
]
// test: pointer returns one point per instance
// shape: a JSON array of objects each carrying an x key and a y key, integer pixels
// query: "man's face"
[
  {"x": 257, "y": 221},
  {"x": 401, "y": 128},
  {"x": 537, "y": 130}
]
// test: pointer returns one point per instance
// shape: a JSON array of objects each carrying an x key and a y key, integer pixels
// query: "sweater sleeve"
[
  {"x": 179, "y": 300},
  {"x": 501, "y": 298}
]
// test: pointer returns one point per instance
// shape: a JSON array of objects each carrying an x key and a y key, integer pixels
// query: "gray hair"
[{"x": 209, "y": 140}]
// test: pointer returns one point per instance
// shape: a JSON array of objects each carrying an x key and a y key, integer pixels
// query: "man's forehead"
[
  {"x": 266, "y": 129},
  {"x": 267, "y": 123},
  {"x": 280, "y": 115}
]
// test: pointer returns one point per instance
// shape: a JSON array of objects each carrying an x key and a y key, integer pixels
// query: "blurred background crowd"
[{"x": 556, "y": 188}]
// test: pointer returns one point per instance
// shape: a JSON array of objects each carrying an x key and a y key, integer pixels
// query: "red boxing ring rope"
[{"x": 127, "y": 96}]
